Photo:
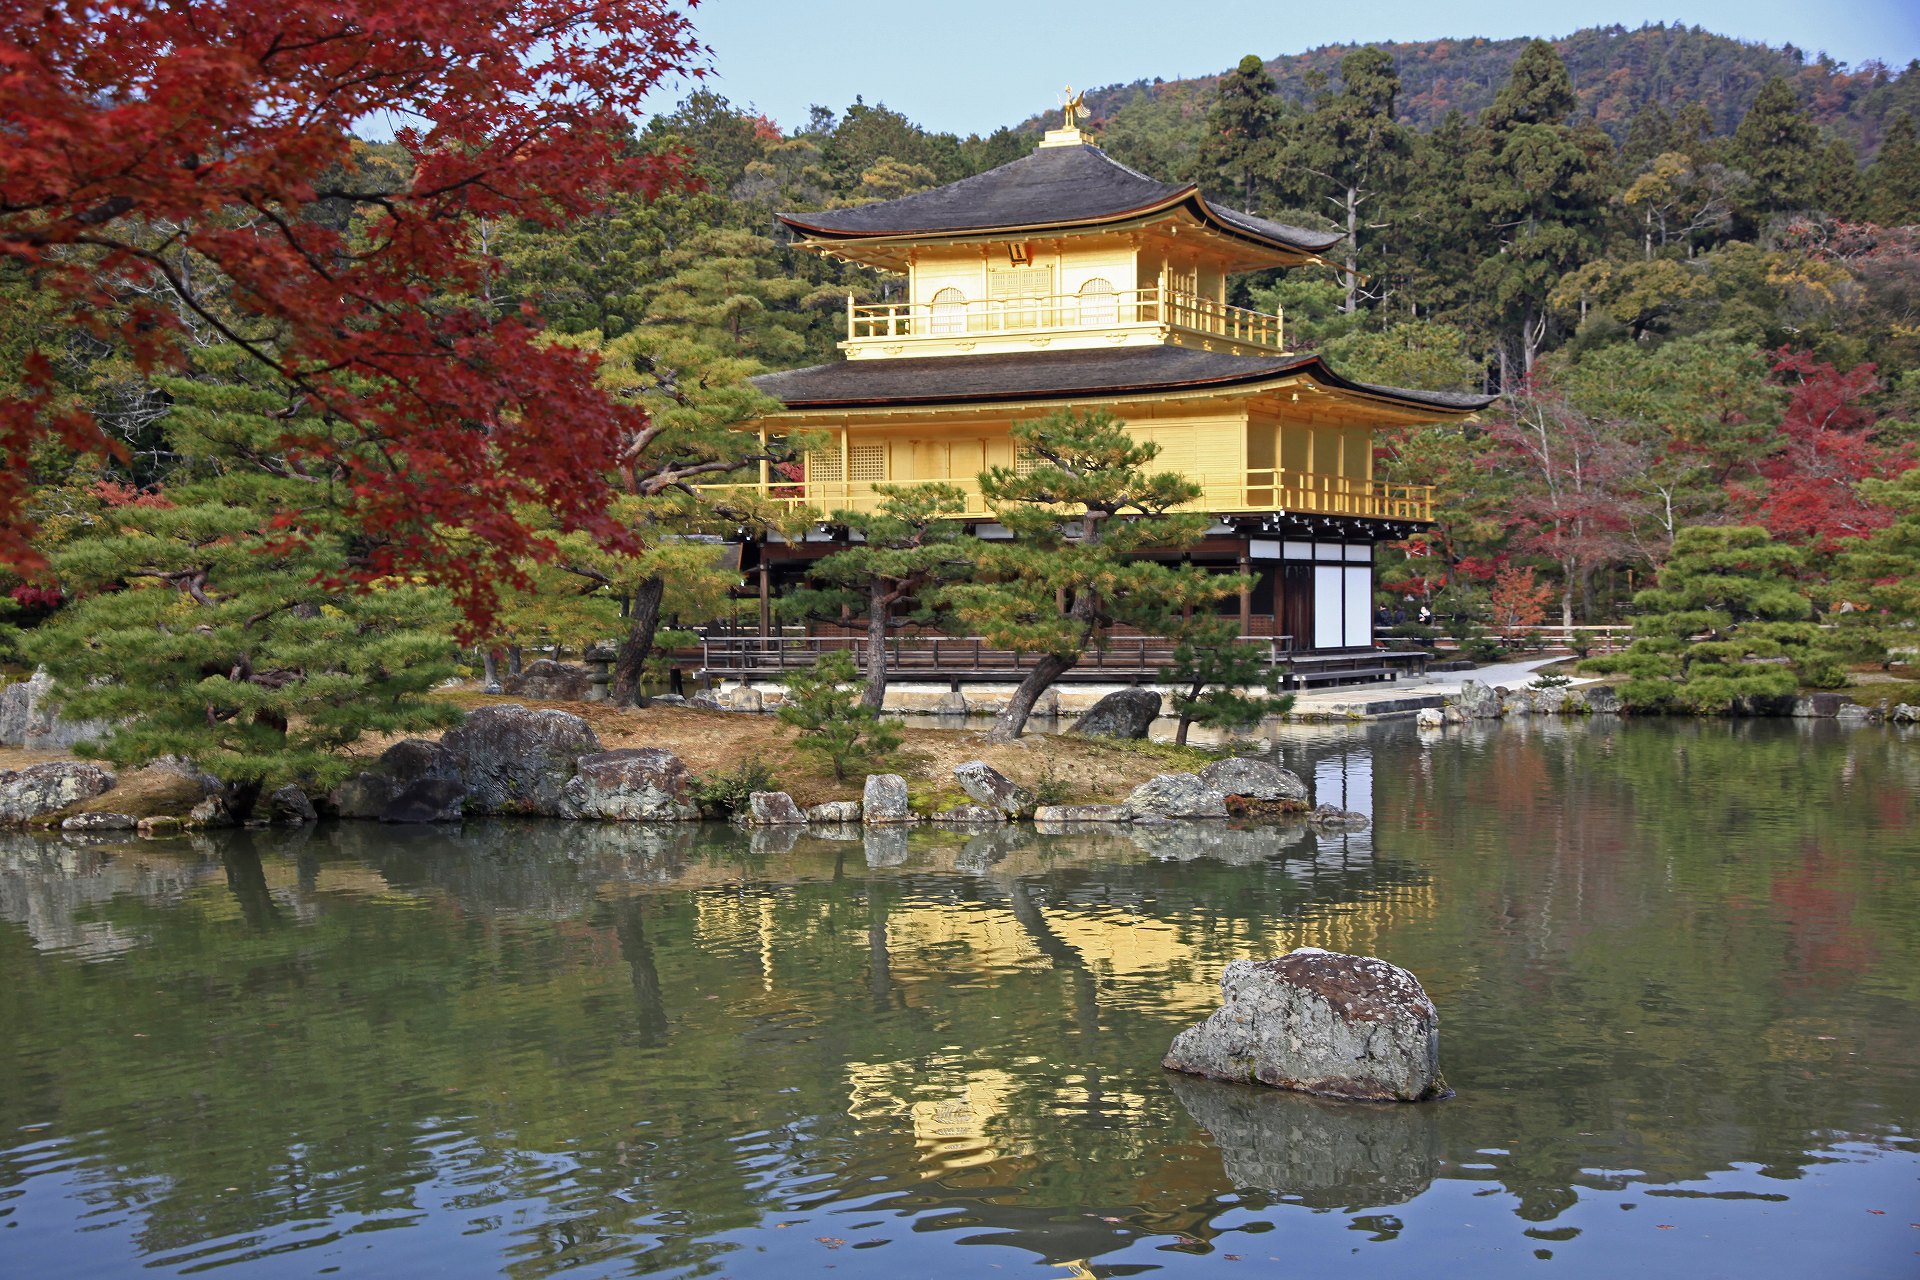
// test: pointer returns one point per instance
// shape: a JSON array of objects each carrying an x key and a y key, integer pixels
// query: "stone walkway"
[{"x": 1404, "y": 697}]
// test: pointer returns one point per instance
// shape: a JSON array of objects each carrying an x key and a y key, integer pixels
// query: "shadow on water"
[{"x": 1677, "y": 965}]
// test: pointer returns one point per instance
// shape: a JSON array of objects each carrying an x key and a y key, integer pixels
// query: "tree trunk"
[
  {"x": 1180, "y": 734},
  {"x": 1012, "y": 721},
  {"x": 513, "y": 659},
  {"x": 631, "y": 660},
  {"x": 490, "y": 665},
  {"x": 1353, "y": 252},
  {"x": 877, "y": 609}
]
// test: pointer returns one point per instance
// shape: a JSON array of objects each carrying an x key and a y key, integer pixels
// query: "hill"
[{"x": 1616, "y": 71}]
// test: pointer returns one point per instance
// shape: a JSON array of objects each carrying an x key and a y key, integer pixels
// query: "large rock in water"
[
  {"x": 370, "y": 793},
  {"x": 518, "y": 761},
  {"x": 1175, "y": 795},
  {"x": 986, "y": 785},
  {"x": 26, "y": 794},
  {"x": 1256, "y": 780},
  {"x": 773, "y": 809},
  {"x": 550, "y": 681},
  {"x": 1321, "y": 1022},
  {"x": 884, "y": 800},
  {"x": 427, "y": 800},
  {"x": 1126, "y": 713},
  {"x": 1478, "y": 701},
  {"x": 637, "y": 784}
]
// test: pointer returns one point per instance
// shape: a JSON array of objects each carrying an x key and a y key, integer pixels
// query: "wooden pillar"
[
  {"x": 766, "y": 596},
  {"x": 1246, "y": 597}
]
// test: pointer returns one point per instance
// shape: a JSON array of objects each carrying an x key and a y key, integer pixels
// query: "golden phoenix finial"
[{"x": 1070, "y": 103}]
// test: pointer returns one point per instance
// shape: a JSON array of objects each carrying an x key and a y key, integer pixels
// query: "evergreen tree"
[
  {"x": 1879, "y": 575},
  {"x": 830, "y": 718},
  {"x": 1735, "y": 587},
  {"x": 1535, "y": 181},
  {"x": 1892, "y": 187},
  {"x": 1348, "y": 150},
  {"x": 1837, "y": 186},
  {"x": 1778, "y": 146},
  {"x": 1079, "y": 517},
  {"x": 905, "y": 549},
  {"x": 1243, "y": 129},
  {"x": 1210, "y": 674},
  {"x": 215, "y": 624}
]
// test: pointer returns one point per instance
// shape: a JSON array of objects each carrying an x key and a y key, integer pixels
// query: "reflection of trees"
[{"x": 1619, "y": 946}]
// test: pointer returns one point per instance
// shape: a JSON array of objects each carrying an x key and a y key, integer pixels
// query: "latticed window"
[
  {"x": 824, "y": 464},
  {"x": 1025, "y": 460},
  {"x": 949, "y": 312},
  {"x": 1098, "y": 303},
  {"x": 1012, "y": 286},
  {"x": 867, "y": 462}
]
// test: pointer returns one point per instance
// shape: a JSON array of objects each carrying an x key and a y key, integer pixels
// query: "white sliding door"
[
  {"x": 1359, "y": 607},
  {"x": 1329, "y": 615}
]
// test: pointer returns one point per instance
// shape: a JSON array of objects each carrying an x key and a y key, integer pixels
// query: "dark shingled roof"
[
  {"x": 1055, "y": 186},
  {"x": 1046, "y": 375}
]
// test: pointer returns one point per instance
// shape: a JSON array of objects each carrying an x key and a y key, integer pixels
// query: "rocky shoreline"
[
  {"x": 510, "y": 760},
  {"x": 1477, "y": 701}
]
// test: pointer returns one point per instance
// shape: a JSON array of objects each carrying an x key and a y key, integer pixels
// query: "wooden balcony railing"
[
  {"x": 1152, "y": 307},
  {"x": 1261, "y": 490}
]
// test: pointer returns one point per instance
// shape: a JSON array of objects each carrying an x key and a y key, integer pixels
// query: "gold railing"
[
  {"x": 1262, "y": 490},
  {"x": 1122, "y": 309}
]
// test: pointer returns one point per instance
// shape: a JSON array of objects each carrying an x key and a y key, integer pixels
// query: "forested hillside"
[{"x": 1617, "y": 72}]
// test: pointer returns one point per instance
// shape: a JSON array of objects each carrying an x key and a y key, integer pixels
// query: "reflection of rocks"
[
  {"x": 1236, "y": 845},
  {"x": 886, "y": 846},
  {"x": 1333, "y": 818},
  {"x": 1322, "y": 1022},
  {"x": 771, "y": 841},
  {"x": 53, "y": 890},
  {"x": 1330, "y": 1155}
]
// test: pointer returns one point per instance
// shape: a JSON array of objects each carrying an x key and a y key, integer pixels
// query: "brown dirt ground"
[{"x": 1083, "y": 770}]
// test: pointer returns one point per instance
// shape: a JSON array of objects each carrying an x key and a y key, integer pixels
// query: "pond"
[{"x": 1678, "y": 970}]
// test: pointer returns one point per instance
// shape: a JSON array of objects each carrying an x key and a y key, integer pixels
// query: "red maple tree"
[
  {"x": 150, "y": 144},
  {"x": 1811, "y": 491}
]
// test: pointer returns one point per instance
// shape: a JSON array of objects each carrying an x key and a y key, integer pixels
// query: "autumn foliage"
[{"x": 191, "y": 167}]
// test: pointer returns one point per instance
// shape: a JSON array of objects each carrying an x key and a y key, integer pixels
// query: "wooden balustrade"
[
  {"x": 1258, "y": 490},
  {"x": 893, "y": 321}
]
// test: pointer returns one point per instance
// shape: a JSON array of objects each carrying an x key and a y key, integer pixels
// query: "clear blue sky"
[{"x": 972, "y": 66}]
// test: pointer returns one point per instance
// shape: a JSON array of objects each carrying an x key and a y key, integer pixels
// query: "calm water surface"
[{"x": 1678, "y": 968}]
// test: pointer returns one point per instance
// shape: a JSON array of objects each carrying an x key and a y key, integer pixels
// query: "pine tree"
[
  {"x": 1243, "y": 128},
  {"x": 1779, "y": 148},
  {"x": 214, "y": 624},
  {"x": 1210, "y": 674},
  {"x": 1080, "y": 517},
  {"x": 1347, "y": 151},
  {"x": 1879, "y": 576},
  {"x": 1735, "y": 587},
  {"x": 831, "y": 721},
  {"x": 1535, "y": 181},
  {"x": 905, "y": 549},
  {"x": 1892, "y": 186}
]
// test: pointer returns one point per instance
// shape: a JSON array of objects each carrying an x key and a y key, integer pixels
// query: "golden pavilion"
[{"x": 1067, "y": 280}]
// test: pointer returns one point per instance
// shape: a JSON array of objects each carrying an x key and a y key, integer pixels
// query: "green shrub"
[
  {"x": 823, "y": 703},
  {"x": 725, "y": 791}
]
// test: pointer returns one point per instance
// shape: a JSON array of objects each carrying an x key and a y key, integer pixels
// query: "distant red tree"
[
  {"x": 151, "y": 144},
  {"x": 1810, "y": 493}
]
